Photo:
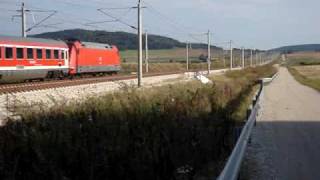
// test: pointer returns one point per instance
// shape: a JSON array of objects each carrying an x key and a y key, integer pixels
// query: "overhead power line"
[
  {"x": 116, "y": 19},
  {"x": 41, "y": 21}
]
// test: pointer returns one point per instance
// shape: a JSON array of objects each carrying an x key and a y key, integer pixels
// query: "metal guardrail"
[{"x": 232, "y": 167}]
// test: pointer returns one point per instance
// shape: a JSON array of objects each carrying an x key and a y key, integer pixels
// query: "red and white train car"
[{"x": 32, "y": 58}]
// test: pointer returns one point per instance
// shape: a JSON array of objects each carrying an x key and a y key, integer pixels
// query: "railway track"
[{"x": 33, "y": 86}]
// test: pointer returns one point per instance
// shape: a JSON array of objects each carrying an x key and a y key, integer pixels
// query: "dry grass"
[
  {"x": 305, "y": 69},
  {"x": 304, "y": 55},
  {"x": 303, "y": 58},
  {"x": 311, "y": 72},
  {"x": 308, "y": 75},
  {"x": 169, "y": 132}
]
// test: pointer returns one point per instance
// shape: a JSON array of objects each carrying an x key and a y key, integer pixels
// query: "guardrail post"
[
  {"x": 249, "y": 110},
  {"x": 254, "y": 101},
  {"x": 261, "y": 87}
]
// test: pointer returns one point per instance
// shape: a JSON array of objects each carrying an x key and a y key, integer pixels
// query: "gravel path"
[{"x": 286, "y": 141}]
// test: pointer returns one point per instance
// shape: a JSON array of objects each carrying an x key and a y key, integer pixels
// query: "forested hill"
[
  {"x": 123, "y": 40},
  {"x": 297, "y": 48}
]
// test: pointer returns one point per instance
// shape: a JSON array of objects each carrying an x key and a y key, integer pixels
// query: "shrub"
[{"x": 179, "y": 131}]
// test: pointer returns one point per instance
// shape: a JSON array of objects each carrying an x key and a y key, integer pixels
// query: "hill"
[
  {"x": 122, "y": 40},
  {"x": 298, "y": 48}
]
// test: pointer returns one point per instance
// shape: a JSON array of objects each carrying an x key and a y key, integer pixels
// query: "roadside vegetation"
[
  {"x": 305, "y": 68},
  {"x": 181, "y": 131}
]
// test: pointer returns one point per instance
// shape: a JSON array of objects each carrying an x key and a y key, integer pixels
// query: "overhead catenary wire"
[
  {"x": 41, "y": 21},
  {"x": 116, "y": 19}
]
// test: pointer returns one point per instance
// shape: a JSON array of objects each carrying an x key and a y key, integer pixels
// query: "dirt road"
[{"x": 286, "y": 141}]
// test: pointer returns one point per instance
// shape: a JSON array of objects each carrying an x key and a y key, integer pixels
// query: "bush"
[{"x": 172, "y": 132}]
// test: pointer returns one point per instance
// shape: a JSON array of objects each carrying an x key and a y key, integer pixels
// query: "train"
[{"x": 25, "y": 59}]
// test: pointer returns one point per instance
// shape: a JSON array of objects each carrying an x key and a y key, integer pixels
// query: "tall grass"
[
  {"x": 311, "y": 82},
  {"x": 182, "y": 131}
]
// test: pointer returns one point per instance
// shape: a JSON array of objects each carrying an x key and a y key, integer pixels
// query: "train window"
[
  {"x": 63, "y": 57},
  {"x": 19, "y": 53},
  {"x": 48, "y": 54},
  {"x": 56, "y": 54},
  {"x": 30, "y": 53},
  {"x": 9, "y": 53},
  {"x": 39, "y": 53}
]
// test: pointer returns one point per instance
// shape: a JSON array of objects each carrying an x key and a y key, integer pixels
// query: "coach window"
[
  {"x": 30, "y": 53},
  {"x": 19, "y": 53},
  {"x": 63, "y": 57},
  {"x": 9, "y": 53},
  {"x": 48, "y": 54},
  {"x": 39, "y": 53},
  {"x": 56, "y": 54}
]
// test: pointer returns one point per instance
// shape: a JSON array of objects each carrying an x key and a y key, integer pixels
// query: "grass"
[
  {"x": 181, "y": 131},
  {"x": 305, "y": 68},
  {"x": 177, "y": 57},
  {"x": 166, "y": 55},
  {"x": 308, "y": 80},
  {"x": 304, "y": 58},
  {"x": 171, "y": 67}
]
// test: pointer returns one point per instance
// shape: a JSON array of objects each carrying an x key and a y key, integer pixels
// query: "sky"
[{"x": 262, "y": 24}]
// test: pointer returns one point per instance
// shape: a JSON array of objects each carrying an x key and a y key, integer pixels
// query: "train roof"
[
  {"x": 28, "y": 40},
  {"x": 96, "y": 45}
]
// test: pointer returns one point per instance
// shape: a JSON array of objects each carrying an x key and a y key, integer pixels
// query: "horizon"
[{"x": 293, "y": 45}]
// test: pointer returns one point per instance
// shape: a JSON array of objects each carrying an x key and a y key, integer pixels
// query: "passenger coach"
[{"x": 32, "y": 58}]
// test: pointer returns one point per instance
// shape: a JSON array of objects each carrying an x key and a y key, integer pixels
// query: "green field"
[
  {"x": 175, "y": 60},
  {"x": 170, "y": 55}
]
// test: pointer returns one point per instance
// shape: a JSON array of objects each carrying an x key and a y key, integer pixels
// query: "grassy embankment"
[
  {"x": 169, "y": 60},
  {"x": 305, "y": 68},
  {"x": 179, "y": 131}
]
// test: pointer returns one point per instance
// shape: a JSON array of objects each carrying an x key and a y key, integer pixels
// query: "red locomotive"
[
  {"x": 88, "y": 57},
  {"x": 34, "y": 58}
]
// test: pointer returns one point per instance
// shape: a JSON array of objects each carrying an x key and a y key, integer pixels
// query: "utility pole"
[
  {"x": 209, "y": 52},
  {"x": 140, "y": 44},
  {"x": 251, "y": 58},
  {"x": 23, "y": 20},
  {"x": 23, "y": 16},
  {"x": 260, "y": 58},
  {"x": 147, "y": 53},
  {"x": 231, "y": 55},
  {"x": 256, "y": 57},
  {"x": 242, "y": 58},
  {"x": 187, "y": 48},
  {"x": 224, "y": 58}
]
